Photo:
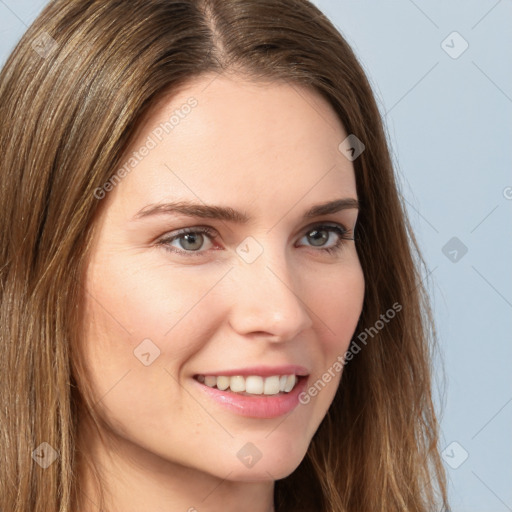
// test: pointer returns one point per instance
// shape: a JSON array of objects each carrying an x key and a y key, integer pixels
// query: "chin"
[
  {"x": 266, "y": 473},
  {"x": 274, "y": 466}
]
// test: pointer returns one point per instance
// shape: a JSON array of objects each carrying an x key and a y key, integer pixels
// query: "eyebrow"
[{"x": 229, "y": 214}]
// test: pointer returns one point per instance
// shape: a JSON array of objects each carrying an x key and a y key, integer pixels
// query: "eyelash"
[{"x": 342, "y": 231}]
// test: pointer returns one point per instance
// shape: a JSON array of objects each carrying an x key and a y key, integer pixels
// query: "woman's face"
[{"x": 262, "y": 292}]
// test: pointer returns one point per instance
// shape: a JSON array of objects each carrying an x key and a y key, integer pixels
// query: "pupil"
[
  {"x": 318, "y": 237},
  {"x": 193, "y": 240}
]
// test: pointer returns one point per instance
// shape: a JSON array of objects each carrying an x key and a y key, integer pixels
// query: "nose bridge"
[{"x": 267, "y": 300}]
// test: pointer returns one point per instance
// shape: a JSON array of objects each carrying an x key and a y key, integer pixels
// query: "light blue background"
[{"x": 450, "y": 129}]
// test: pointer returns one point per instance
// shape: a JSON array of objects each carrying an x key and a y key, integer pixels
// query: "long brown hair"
[{"x": 72, "y": 94}]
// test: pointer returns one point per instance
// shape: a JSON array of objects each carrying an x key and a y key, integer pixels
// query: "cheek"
[
  {"x": 148, "y": 300},
  {"x": 337, "y": 305},
  {"x": 128, "y": 315},
  {"x": 144, "y": 315}
]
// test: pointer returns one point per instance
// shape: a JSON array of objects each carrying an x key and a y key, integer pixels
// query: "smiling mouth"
[{"x": 251, "y": 385}]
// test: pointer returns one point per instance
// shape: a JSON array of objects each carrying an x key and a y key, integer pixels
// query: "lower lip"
[{"x": 257, "y": 406}]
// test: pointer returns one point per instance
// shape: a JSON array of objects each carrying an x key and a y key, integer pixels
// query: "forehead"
[{"x": 226, "y": 137}]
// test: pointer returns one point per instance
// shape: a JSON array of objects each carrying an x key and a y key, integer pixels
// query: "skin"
[{"x": 269, "y": 150}]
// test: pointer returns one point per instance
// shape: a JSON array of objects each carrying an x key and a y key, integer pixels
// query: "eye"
[
  {"x": 190, "y": 240},
  {"x": 199, "y": 239},
  {"x": 327, "y": 237}
]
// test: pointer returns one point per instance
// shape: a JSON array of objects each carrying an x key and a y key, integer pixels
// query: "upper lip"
[{"x": 264, "y": 371}]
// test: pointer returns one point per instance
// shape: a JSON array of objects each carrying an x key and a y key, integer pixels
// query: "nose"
[{"x": 266, "y": 301}]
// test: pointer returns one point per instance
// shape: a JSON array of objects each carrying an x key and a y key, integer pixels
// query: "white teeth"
[
  {"x": 222, "y": 383},
  {"x": 271, "y": 386},
  {"x": 237, "y": 384},
  {"x": 253, "y": 384},
  {"x": 290, "y": 382}
]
